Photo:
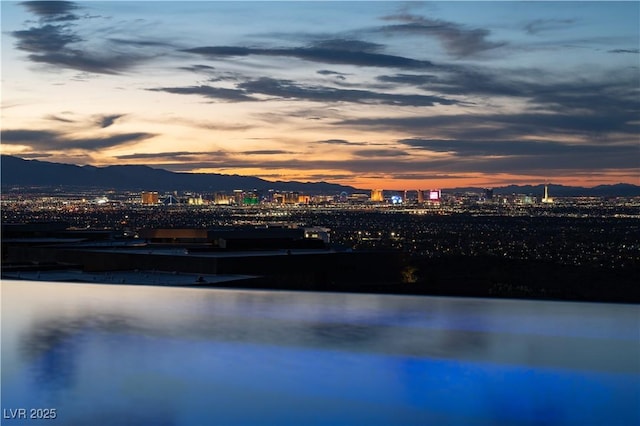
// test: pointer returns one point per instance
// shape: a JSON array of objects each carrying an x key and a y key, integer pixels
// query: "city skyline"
[{"x": 367, "y": 94}]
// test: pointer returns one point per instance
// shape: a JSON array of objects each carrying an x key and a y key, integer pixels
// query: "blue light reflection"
[{"x": 126, "y": 355}]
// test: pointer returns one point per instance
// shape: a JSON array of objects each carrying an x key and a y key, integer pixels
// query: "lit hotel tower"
[
  {"x": 149, "y": 197},
  {"x": 547, "y": 199},
  {"x": 376, "y": 195}
]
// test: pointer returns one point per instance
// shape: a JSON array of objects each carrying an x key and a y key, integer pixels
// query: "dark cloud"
[
  {"x": 583, "y": 106},
  {"x": 61, "y": 119},
  {"x": 380, "y": 153},
  {"x": 541, "y": 124},
  {"x": 183, "y": 155},
  {"x": 348, "y": 45},
  {"x": 267, "y": 152},
  {"x": 28, "y": 137},
  {"x": 457, "y": 40},
  {"x": 289, "y": 89},
  {"x": 219, "y": 93},
  {"x": 105, "y": 142},
  {"x": 551, "y": 164},
  {"x": 48, "y": 38},
  {"x": 317, "y": 53},
  {"x": 141, "y": 43},
  {"x": 588, "y": 108},
  {"x": 61, "y": 45},
  {"x": 504, "y": 126},
  {"x": 52, "y": 10},
  {"x": 227, "y": 76},
  {"x": 334, "y": 74},
  {"x": 50, "y": 141},
  {"x": 82, "y": 61},
  {"x": 198, "y": 68},
  {"x": 470, "y": 81},
  {"x": 108, "y": 120},
  {"x": 109, "y": 141},
  {"x": 467, "y": 80},
  {"x": 624, "y": 51},
  {"x": 514, "y": 148},
  {"x": 329, "y": 72},
  {"x": 540, "y": 25}
]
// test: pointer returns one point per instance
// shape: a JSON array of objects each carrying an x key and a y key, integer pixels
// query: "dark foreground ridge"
[{"x": 297, "y": 258}]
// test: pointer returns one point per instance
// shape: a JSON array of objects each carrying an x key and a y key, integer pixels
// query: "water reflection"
[{"x": 145, "y": 355}]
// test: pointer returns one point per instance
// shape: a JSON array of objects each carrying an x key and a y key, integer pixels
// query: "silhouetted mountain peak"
[{"x": 21, "y": 172}]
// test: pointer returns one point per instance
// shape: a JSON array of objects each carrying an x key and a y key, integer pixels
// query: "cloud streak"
[
  {"x": 218, "y": 93},
  {"x": 501, "y": 126},
  {"x": 182, "y": 155},
  {"x": 108, "y": 120},
  {"x": 288, "y": 89},
  {"x": 53, "y": 141},
  {"x": 465, "y": 148},
  {"x": 267, "y": 152},
  {"x": 330, "y": 53},
  {"x": 542, "y": 25}
]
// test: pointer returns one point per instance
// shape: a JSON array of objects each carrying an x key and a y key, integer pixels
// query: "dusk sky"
[{"x": 392, "y": 95}]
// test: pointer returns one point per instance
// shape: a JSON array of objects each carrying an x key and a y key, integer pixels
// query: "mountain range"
[{"x": 16, "y": 171}]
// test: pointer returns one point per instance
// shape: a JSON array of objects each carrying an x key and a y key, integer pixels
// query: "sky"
[{"x": 391, "y": 95}]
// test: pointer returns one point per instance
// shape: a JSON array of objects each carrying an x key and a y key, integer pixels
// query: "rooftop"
[{"x": 155, "y": 278}]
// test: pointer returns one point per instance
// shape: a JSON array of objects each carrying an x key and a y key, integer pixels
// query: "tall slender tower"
[{"x": 546, "y": 199}]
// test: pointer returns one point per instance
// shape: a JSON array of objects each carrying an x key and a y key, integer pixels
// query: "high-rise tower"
[
  {"x": 376, "y": 195},
  {"x": 546, "y": 199}
]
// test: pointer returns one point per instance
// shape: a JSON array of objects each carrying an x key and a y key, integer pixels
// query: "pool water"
[{"x": 138, "y": 355}]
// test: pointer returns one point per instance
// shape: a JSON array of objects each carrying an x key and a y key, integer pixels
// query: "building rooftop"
[
  {"x": 127, "y": 277},
  {"x": 177, "y": 251}
]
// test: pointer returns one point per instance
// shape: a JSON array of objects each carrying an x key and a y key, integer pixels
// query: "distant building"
[
  {"x": 268, "y": 238},
  {"x": 318, "y": 233},
  {"x": 357, "y": 197},
  {"x": 195, "y": 201},
  {"x": 546, "y": 199},
  {"x": 522, "y": 199},
  {"x": 376, "y": 195},
  {"x": 304, "y": 199},
  {"x": 420, "y": 196},
  {"x": 170, "y": 200},
  {"x": 222, "y": 199},
  {"x": 291, "y": 197},
  {"x": 250, "y": 198},
  {"x": 149, "y": 197},
  {"x": 488, "y": 194},
  {"x": 238, "y": 196}
]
